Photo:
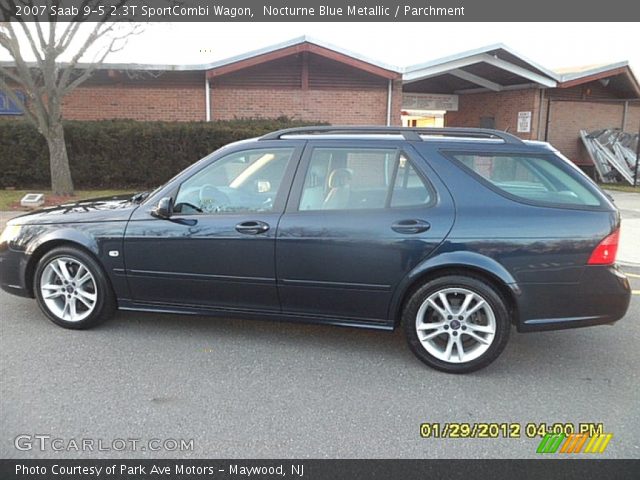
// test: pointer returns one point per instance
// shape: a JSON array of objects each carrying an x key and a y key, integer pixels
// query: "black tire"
[
  {"x": 104, "y": 305},
  {"x": 483, "y": 290}
]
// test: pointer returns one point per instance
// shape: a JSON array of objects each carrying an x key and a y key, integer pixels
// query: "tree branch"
[
  {"x": 17, "y": 100},
  {"x": 47, "y": 84},
  {"x": 66, "y": 84},
  {"x": 32, "y": 43},
  {"x": 23, "y": 71},
  {"x": 95, "y": 34},
  {"x": 8, "y": 73},
  {"x": 67, "y": 35},
  {"x": 47, "y": 81}
]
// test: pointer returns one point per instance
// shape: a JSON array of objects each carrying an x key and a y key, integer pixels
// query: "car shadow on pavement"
[
  {"x": 285, "y": 344},
  {"x": 536, "y": 354}
]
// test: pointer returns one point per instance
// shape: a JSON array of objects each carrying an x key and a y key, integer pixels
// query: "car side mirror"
[{"x": 164, "y": 209}]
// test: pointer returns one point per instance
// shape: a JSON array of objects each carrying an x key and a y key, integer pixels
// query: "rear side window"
[
  {"x": 409, "y": 188},
  {"x": 361, "y": 178},
  {"x": 539, "y": 179}
]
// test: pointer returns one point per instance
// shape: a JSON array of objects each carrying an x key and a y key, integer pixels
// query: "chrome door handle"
[
  {"x": 411, "y": 226},
  {"x": 252, "y": 227}
]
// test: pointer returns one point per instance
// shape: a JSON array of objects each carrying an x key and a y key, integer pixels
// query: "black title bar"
[
  {"x": 565, "y": 469},
  {"x": 320, "y": 11}
]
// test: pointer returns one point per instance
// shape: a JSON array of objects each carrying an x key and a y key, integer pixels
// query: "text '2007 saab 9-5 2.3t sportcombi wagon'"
[{"x": 455, "y": 234}]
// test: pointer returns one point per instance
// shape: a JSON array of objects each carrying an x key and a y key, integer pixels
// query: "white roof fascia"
[
  {"x": 438, "y": 69},
  {"x": 565, "y": 77},
  {"x": 236, "y": 58},
  {"x": 470, "y": 77}
]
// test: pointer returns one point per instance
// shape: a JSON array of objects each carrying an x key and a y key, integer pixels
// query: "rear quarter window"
[{"x": 541, "y": 179}]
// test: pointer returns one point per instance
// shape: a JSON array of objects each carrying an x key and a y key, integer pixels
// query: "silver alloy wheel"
[
  {"x": 456, "y": 325},
  {"x": 68, "y": 289}
]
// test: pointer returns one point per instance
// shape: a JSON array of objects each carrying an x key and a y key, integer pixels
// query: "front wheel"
[
  {"x": 72, "y": 289},
  {"x": 456, "y": 324}
]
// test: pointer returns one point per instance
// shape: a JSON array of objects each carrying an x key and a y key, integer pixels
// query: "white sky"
[{"x": 551, "y": 45}]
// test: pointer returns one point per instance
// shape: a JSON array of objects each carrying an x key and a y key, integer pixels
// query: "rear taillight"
[{"x": 605, "y": 252}]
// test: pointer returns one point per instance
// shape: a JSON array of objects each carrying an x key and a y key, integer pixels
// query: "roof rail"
[{"x": 409, "y": 133}]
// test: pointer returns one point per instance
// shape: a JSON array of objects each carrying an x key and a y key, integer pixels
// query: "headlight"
[{"x": 10, "y": 233}]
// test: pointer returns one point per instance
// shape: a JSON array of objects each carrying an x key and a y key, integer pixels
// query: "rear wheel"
[
  {"x": 456, "y": 324},
  {"x": 72, "y": 289}
]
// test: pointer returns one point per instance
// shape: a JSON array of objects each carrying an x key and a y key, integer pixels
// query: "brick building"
[
  {"x": 307, "y": 79},
  {"x": 497, "y": 88},
  {"x": 301, "y": 78}
]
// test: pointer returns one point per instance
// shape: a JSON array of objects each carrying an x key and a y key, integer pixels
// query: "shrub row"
[{"x": 119, "y": 153}]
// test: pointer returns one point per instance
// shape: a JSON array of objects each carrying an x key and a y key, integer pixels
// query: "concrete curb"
[
  {"x": 622, "y": 263},
  {"x": 5, "y": 216}
]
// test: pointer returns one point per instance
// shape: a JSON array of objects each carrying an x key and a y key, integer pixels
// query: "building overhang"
[
  {"x": 493, "y": 69},
  {"x": 617, "y": 77},
  {"x": 299, "y": 46}
]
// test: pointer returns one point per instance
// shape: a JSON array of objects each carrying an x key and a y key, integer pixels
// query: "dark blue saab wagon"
[{"x": 454, "y": 233}]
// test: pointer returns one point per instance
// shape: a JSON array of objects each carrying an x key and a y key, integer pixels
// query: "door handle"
[
  {"x": 411, "y": 226},
  {"x": 252, "y": 227}
]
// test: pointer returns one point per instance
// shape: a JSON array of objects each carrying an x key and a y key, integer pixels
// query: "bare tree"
[{"x": 46, "y": 79}]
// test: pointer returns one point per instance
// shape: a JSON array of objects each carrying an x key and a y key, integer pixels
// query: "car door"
[
  {"x": 359, "y": 218},
  {"x": 217, "y": 248}
]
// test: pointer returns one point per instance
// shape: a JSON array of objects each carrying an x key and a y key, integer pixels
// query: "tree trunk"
[{"x": 61, "y": 183}]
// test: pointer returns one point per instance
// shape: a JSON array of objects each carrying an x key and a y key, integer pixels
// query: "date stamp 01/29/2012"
[
  {"x": 553, "y": 437},
  {"x": 506, "y": 429}
]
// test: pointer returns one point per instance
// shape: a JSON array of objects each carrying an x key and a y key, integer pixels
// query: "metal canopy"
[
  {"x": 617, "y": 77},
  {"x": 497, "y": 68},
  {"x": 493, "y": 68}
]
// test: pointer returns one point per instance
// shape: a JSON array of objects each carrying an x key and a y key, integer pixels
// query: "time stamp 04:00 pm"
[{"x": 505, "y": 430}]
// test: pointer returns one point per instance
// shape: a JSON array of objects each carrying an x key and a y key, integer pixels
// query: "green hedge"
[{"x": 119, "y": 153}]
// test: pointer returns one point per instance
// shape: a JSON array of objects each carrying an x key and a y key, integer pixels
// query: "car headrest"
[{"x": 340, "y": 177}]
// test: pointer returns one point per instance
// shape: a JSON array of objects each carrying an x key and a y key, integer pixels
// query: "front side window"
[
  {"x": 246, "y": 181},
  {"x": 538, "y": 179},
  {"x": 361, "y": 178}
]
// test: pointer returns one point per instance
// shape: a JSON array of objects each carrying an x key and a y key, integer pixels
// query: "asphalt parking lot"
[{"x": 244, "y": 389}]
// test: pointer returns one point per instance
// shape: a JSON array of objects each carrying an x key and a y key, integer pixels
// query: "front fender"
[
  {"x": 67, "y": 234},
  {"x": 104, "y": 240},
  {"x": 450, "y": 260}
]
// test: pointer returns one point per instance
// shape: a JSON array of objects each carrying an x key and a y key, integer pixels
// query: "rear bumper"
[{"x": 601, "y": 297}]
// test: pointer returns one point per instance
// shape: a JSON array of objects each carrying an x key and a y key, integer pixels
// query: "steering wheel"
[{"x": 212, "y": 199}]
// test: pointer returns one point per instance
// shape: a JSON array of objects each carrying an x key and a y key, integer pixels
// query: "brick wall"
[
  {"x": 182, "y": 98},
  {"x": 571, "y": 111},
  {"x": 584, "y": 107},
  {"x": 633, "y": 119},
  {"x": 331, "y": 105},
  {"x": 310, "y": 88},
  {"x": 567, "y": 118},
  {"x": 396, "y": 103},
  {"x": 502, "y": 106},
  {"x": 168, "y": 103}
]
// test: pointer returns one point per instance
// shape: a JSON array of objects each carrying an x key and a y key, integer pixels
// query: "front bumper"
[
  {"x": 13, "y": 270},
  {"x": 601, "y": 297}
]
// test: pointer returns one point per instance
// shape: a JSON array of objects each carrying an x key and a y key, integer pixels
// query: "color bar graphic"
[
  {"x": 574, "y": 442},
  {"x": 550, "y": 443}
]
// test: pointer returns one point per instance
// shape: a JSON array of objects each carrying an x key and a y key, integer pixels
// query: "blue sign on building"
[{"x": 7, "y": 106}]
